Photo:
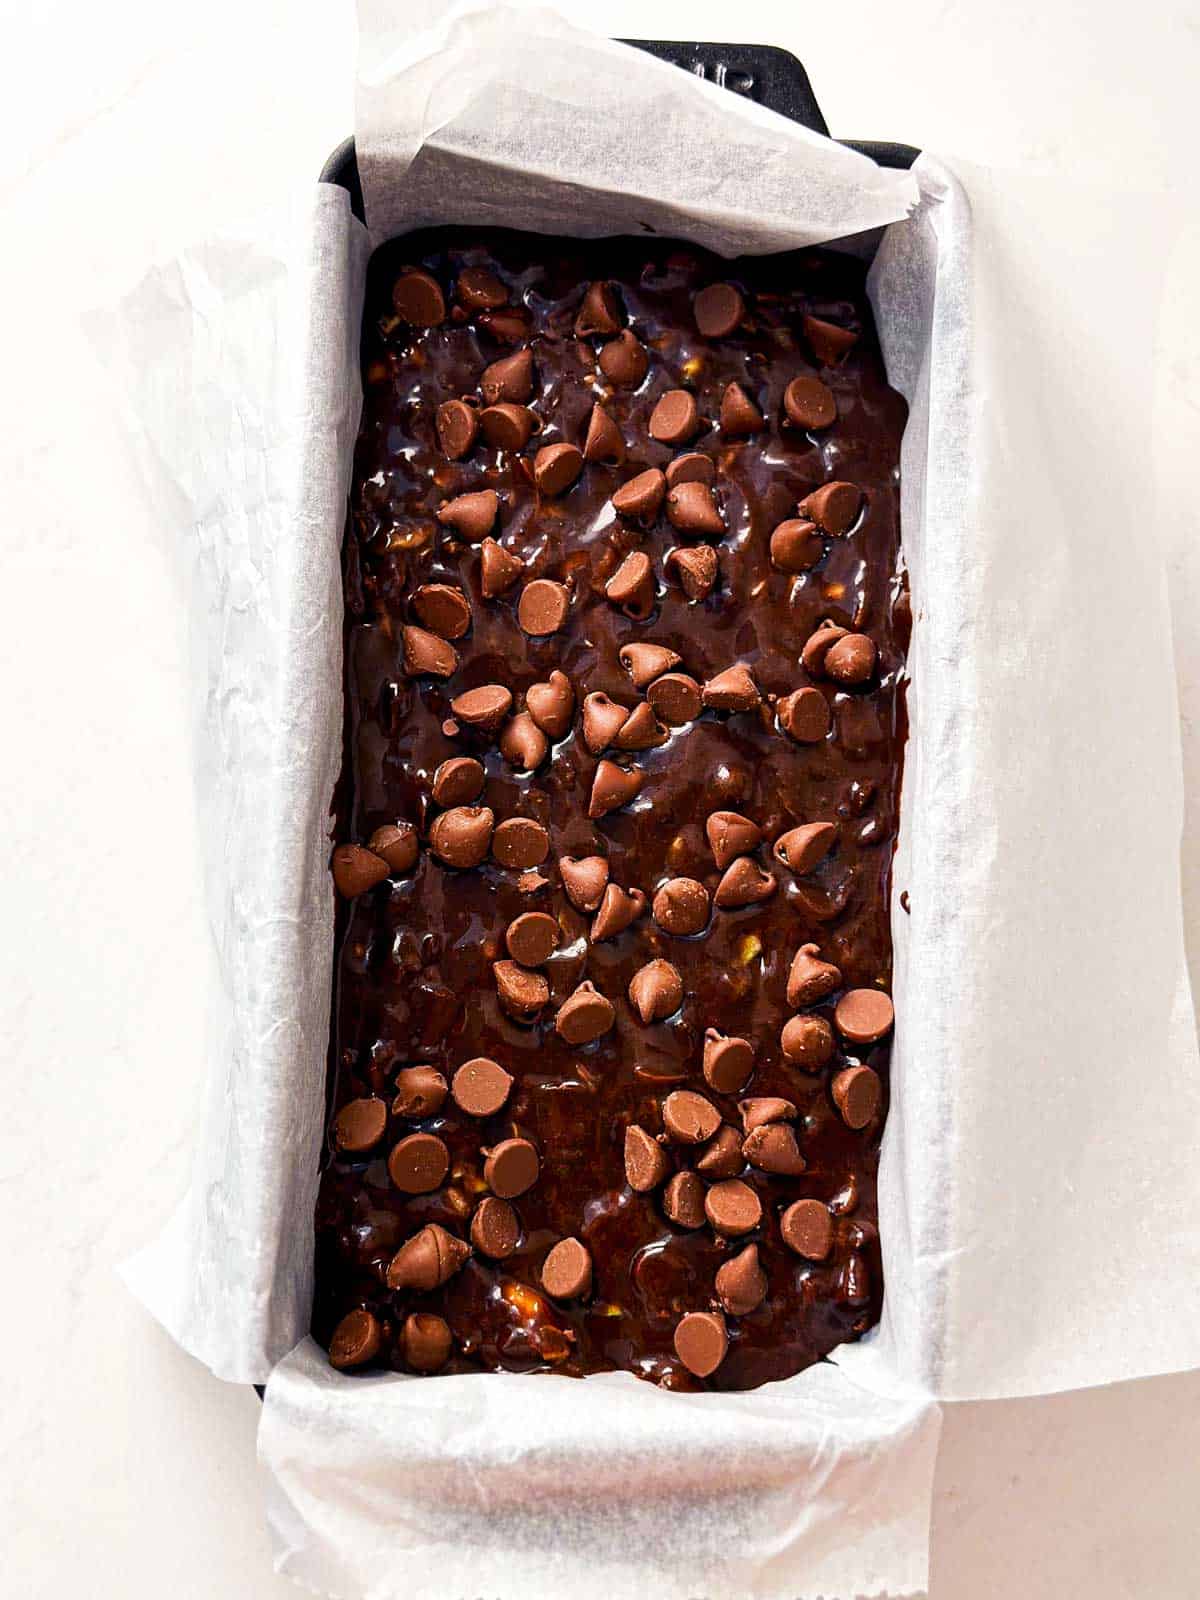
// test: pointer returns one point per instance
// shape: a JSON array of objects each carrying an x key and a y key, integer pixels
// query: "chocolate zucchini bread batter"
[{"x": 625, "y": 635}]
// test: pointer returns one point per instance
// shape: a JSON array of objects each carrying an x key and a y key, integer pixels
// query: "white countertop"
[{"x": 129, "y": 1471}]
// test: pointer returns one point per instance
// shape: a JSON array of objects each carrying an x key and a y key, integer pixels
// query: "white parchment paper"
[{"x": 1036, "y": 1191}]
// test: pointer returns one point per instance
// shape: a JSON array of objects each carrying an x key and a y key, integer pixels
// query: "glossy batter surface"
[{"x": 414, "y": 968}]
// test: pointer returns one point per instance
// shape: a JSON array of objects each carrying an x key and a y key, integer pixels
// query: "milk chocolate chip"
[
  {"x": 355, "y": 870},
  {"x": 425, "y": 655},
  {"x": 480, "y": 1087},
  {"x": 520, "y": 842},
  {"x": 443, "y": 609},
  {"x": 656, "y": 991},
  {"x": 732, "y": 690},
  {"x": 556, "y": 466},
  {"x": 462, "y": 836},
  {"x": 807, "y": 1042},
  {"x": 727, "y": 1062},
  {"x": 730, "y": 835},
  {"x": 694, "y": 467},
  {"x": 419, "y": 1163},
  {"x": 522, "y": 994},
  {"x": 741, "y": 1283},
  {"x": 689, "y": 1118},
  {"x": 645, "y": 1161},
  {"x": 743, "y": 883},
  {"x": 701, "y": 1342},
  {"x": 809, "y": 404},
  {"x": 396, "y": 843},
  {"x": 551, "y": 704},
  {"x": 834, "y": 507},
  {"x": 584, "y": 878},
  {"x": 864, "y": 1015},
  {"x": 732, "y": 1207},
  {"x": 532, "y": 938},
  {"x": 796, "y": 546},
  {"x": 645, "y": 662},
  {"x": 457, "y": 427},
  {"x": 495, "y": 1230},
  {"x": 619, "y": 909},
  {"x": 599, "y": 312},
  {"x": 511, "y": 1168},
  {"x": 804, "y": 716},
  {"x": 624, "y": 361},
  {"x": 675, "y": 418},
  {"x": 613, "y": 787},
  {"x": 740, "y": 417},
  {"x": 722, "y": 1155},
  {"x": 632, "y": 586},
  {"x": 484, "y": 708},
  {"x": 480, "y": 290},
  {"x": 506, "y": 426},
  {"x": 510, "y": 378},
  {"x": 856, "y": 1093},
  {"x": 692, "y": 509},
  {"x": 818, "y": 645},
  {"x": 426, "y": 1341},
  {"x": 360, "y": 1125},
  {"x": 773, "y": 1149},
  {"x": 420, "y": 1092},
  {"x": 426, "y": 1260},
  {"x": 807, "y": 1229},
  {"x": 829, "y": 343},
  {"x": 356, "y": 1340},
  {"x": 764, "y": 1108},
  {"x": 811, "y": 979},
  {"x": 418, "y": 299},
  {"x": 641, "y": 730},
  {"x": 523, "y": 744},
  {"x": 805, "y": 847},
  {"x": 458, "y": 781},
  {"x": 604, "y": 442},
  {"x": 585, "y": 1016},
  {"x": 499, "y": 569},
  {"x": 683, "y": 1200},
  {"x": 641, "y": 497},
  {"x": 851, "y": 660},
  {"x": 718, "y": 309},
  {"x": 603, "y": 719},
  {"x": 681, "y": 907},
  {"x": 675, "y": 698},
  {"x": 567, "y": 1270},
  {"x": 696, "y": 567},
  {"x": 542, "y": 608}
]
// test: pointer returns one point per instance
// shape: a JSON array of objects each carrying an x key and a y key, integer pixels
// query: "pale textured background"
[{"x": 128, "y": 1470}]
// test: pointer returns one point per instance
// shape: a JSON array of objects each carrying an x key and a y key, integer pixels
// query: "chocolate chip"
[
  {"x": 675, "y": 418},
  {"x": 599, "y": 313},
  {"x": 480, "y": 290},
  {"x": 360, "y": 1125},
  {"x": 681, "y": 907},
  {"x": 425, "y": 655},
  {"x": 443, "y": 609},
  {"x": 567, "y": 1270},
  {"x": 603, "y": 719},
  {"x": 396, "y": 843},
  {"x": 827, "y": 341},
  {"x": 809, "y": 404},
  {"x": 729, "y": 835},
  {"x": 520, "y": 842},
  {"x": 532, "y": 938},
  {"x": 741, "y": 1283},
  {"x": 656, "y": 991},
  {"x": 796, "y": 546},
  {"x": 641, "y": 496},
  {"x": 551, "y": 704},
  {"x": 692, "y": 509},
  {"x": 426, "y": 1341},
  {"x": 426, "y": 1260},
  {"x": 834, "y": 507},
  {"x": 744, "y": 883},
  {"x": 722, "y": 1155},
  {"x": 511, "y": 1168},
  {"x": 419, "y": 1163},
  {"x": 510, "y": 378},
  {"x": 641, "y": 730},
  {"x": 542, "y": 608},
  {"x": 420, "y": 1092},
  {"x": 807, "y": 1228},
  {"x": 740, "y": 417},
  {"x": 495, "y": 1230},
  {"x": 689, "y": 1118},
  {"x": 804, "y": 716},
  {"x": 718, "y": 309},
  {"x": 645, "y": 662},
  {"x": 773, "y": 1149},
  {"x": 506, "y": 426},
  {"x": 856, "y": 1093},
  {"x": 807, "y": 1042},
  {"x": 457, "y": 427},
  {"x": 852, "y": 659},
  {"x": 462, "y": 836},
  {"x": 356, "y": 1339},
  {"x": 675, "y": 698},
  {"x": 764, "y": 1108},
  {"x": 523, "y": 744},
  {"x": 727, "y": 1062},
  {"x": 418, "y": 300},
  {"x": 632, "y": 586},
  {"x": 691, "y": 468},
  {"x": 645, "y": 1162},
  {"x": 584, "y": 878},
  {"x": 507, "y": 324},
  {"x": 732, "y": 1207},
  {"x": 484, "y": 708},
  {"x": 585, "y": 1015},
  {"x": 732, "y": 690},
  {"x": 556, "y": 466},
  {"x": 480, "y": 1087},
  {"x": 683, "y": 1200},
  {"x": 805, "y": 847},
  {"x": 864, "y": 1015},
  {"x": 817, "y": 646},
  {"x": 612, "y": 788},
  {"x": 624, "y": 360},
  {"x": 355, "y": 870},
  {"x": 499, "y": 569},
  {"x": 458, "y": 781},
  {"x": 697, "y": 569},
  {"x": 811, "y": 979},
  {"x": 619, "y": 909},
  {"x": 701, "y": 1342},
  {"x": 604, "y": 441},
  {"x": 521, "y": 994}
]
